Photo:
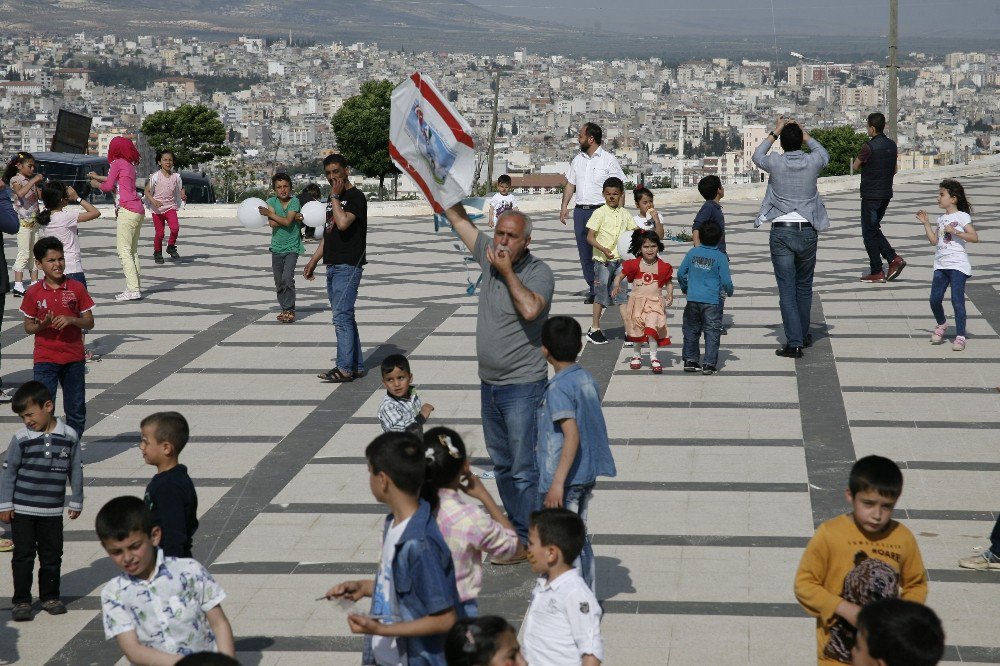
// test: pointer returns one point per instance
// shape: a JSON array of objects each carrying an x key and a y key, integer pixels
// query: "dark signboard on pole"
[{"x": 72, "y": 133}]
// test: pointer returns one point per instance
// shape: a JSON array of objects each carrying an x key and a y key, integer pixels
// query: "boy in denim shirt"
[
  {"x": 703, "y": 274},
  {"x": 414, "y": 597},
  {"x": 573, "y": 447}
]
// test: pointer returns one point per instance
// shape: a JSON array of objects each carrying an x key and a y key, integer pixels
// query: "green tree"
[
  {"x": 361, "y": 128},
  {"x": 233, "y": 178},
  {"x": 843, "y": 143},
  {"x": 193, "y": 132}
]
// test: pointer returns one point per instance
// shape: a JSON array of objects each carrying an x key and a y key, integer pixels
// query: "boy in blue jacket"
[{"x": 702, "y": 275}]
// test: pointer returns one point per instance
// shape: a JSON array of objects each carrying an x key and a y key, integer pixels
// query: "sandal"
[
  {"x": 336, "y": 376},
  {"x": 289, "y": 317},
  {"x": 635, "y": 363},
  {"x": 282, "y": 316},
  {"x": 656, "y": 366}
]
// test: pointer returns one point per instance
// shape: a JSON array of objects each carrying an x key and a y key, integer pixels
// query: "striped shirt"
[{"x": 34, "y": 474}]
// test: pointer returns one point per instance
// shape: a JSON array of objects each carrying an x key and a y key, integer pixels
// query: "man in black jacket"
[{"x": 878, "y": 157}]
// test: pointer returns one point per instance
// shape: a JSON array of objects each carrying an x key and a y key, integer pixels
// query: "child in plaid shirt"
[{"x": 467, "y": 529}]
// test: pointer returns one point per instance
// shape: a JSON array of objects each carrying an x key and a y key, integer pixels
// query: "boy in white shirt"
[
  {"x": 563, "y": 624},
  {"x": 503, "y": 200}
]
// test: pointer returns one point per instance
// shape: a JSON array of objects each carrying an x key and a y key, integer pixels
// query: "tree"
[
  {"x": 361, "y": 128},
  {"x": 233, "y": 178},
  {"x": 193, "y": 132},
  {"x": 843, "y": 143}
]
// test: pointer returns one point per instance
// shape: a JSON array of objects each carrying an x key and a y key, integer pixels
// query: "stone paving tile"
[{"x": 716, "y": 474}]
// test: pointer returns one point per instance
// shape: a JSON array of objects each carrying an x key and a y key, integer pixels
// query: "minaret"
[{"x": 680, "y": 159}]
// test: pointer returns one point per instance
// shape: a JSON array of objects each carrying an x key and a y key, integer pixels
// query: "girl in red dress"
[{"x": 646, "y": 310}]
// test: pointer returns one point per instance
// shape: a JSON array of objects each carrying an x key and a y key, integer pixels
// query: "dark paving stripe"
[
  {"x": 116, "y": 482},
  {"x": 705, "y": 486},
  {"x": 252, "y": 494},
  {"x": 435, "y": 420},
  {"x": 666, "y": 404},
  {"x": 945, "y": 390},
  {"x": 733, "y": 608},
  {"x": 957, "y": 358},
  {"x": 642, "y": 441},
  {"x": 316, "y": 507},
  {"x": 221, "y": 402},
  {"x": 987, "y": 300},
  {"x": 698, "y": 540},
  {"x": 961, "y": 425},
  {"x": 256, "y": 644},
  {"x": 946, "y": 514},
  {"x": 972, "y": 653},
  {"x": 950, "y": 466},
  {"x": 826, "y": 436},
  {"x": 361, "y": 460},
  {"x": 275, "y": 568},
  {"x": 989, "y": 577},
  {"x": 726, "y": 373}
]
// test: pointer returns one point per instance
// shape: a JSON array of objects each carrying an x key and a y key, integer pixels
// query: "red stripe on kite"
[
  {"x": 417, "y": 178},
  {"x": 456, "y": 127}
]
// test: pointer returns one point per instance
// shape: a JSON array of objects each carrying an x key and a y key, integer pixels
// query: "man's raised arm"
[{"x": 463, "y": 226}]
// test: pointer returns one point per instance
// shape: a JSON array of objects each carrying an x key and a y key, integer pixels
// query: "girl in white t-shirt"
[{"x": 951, "y": 262}]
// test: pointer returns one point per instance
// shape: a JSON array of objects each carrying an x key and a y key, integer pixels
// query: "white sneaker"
[
  {"x": 6, "y": 395},
  {"x": 128, "y": 296}
]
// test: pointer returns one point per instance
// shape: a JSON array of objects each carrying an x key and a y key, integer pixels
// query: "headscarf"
[{"x": 122, "y": 148}]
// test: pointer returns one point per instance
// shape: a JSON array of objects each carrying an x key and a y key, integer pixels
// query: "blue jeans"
[
  {"x": 72, "y": 377},
  {"x": 508, "y": 414},
  {"x": 577, "y": 500},
  {"x": 580, "y": 218},
  {"x": 471, "y": 608},
  {"x": 342, "y": 282},
  {"x": 793, "y": 255},
  {"x": 79, "y": 277},
  {"x": 876, "y": 244},
  {"x": 702, "y": 318},
  {"x": 939, "y": 284}
]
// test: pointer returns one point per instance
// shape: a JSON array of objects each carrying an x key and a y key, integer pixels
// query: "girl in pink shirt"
[
  {"x": 123, "y": 156},
  {"x": 165, "y": 192},
  {"x": 20, "y": 174}
]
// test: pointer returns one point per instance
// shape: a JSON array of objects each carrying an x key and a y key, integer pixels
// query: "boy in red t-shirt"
[{"x": 56, "y": 311}]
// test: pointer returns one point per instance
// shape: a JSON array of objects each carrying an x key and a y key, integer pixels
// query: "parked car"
[
  {"x": 197, "y": 186},
  {"x": 72, "y": 169}
]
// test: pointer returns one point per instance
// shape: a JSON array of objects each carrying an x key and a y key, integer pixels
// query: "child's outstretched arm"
[
  {"x": 222, "y": 629},
  {"x": 571, "y": 445},
  {"x": 429, "y": 625},
  {"x": 352, "y": 589},
  {"x": 501, "y": 543},
  {"x": 137, "y": 653},
  {"x": 929, "y": 231},
  {"x": 89, "y": 211},
  {"x": 492, "y": 217}
]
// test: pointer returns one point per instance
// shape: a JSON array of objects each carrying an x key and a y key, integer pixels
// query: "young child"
[
  {"x": 646, "y": 310},
  {"x": 170, "y": 495},
  {"x": 894, "y": 632},
  {"x": 123, "y": 157},
  {"x": 573, "y": 447},
  {"x": 60, "y": 222},
  {"x": 282, "y": 212},
  {"x": 483, "y": 641},
  {"x": 864, "y": 552},
  {"x": 165, "y": 194},
  {"x": 502, "y": 201},
  {"x": 951, "y": 262},
  {"x": 647, "y": 219},
  {"x": 467, "y": 529},
  {"x": 563, "y": 622},
  {"x": 56, "y": 311},
  {"x": 401, "y": 408},
  {"x": 710, "y": 187},
  {"x": 159, "y": 606},
  {"x": 414, "y": 590},
  {"x": 703, "y": 276},
  {"x": 41, "y": 458},
  {"x": 604, "y": 228},
  {"x": 23, "y": 182}
]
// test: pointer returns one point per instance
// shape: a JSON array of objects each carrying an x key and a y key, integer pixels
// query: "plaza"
[{"x": 721, "y": 479}]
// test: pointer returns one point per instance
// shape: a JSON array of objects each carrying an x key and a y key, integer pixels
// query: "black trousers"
[{"x": 42, "y": 535}]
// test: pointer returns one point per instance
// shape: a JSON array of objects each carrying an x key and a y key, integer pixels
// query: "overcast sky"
[{"x": 918, "y": 18}]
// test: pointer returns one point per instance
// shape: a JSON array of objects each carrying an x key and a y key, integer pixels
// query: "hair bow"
[{"x": 452, "y": 449}]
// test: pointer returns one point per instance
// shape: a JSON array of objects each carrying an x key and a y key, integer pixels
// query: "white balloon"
[
  {"x": 249, "y": 216},
  {"x": 314, "y": 214},
  {"x": 318, "y": 233}
]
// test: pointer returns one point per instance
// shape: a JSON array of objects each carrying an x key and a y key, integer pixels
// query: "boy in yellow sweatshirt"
[{"x": 857, "y": 558}]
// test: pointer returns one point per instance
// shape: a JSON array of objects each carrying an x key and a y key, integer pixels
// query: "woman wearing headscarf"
[{"x": 123, "y": 156}]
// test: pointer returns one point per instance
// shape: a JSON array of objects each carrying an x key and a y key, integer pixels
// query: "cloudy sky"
[{"x": 918, "y": 18}]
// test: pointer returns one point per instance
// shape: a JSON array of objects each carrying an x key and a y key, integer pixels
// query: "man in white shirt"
[{"x": 586, "y": 175}]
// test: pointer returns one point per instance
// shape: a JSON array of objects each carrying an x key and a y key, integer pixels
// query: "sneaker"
[
  {"x": 724, "y": 331},
  {"x": 488, "y": 475},
  {"x": 959, "y": 343},
  {"x": 513, "y": 560},
  {"x": 589, "y": 300},
  {"x": 6, "y": 395},
  {"x": 597, "y": 337},
  {"x": 808, "y": 342},
  {"x": 692, "y": 366},
  {"x": 629, "y": 344},
  {"x": 18, "y": 290},
  {"x": 709, "y": 370},
  {"x": 6, "y": 545},
  {"x": 54, "y": 607},
  {"x": 635, "y": 363},
  {"x": 21, "y": 613},
  {"x": 874, "y": 277},
  {"x": 128, "y": 296},
  {"x": 656, "y": 366},
  {"x": 937, "y": 337},
  {"x": 896, "y": 267},
  {"x": 158, "y": 257},
  {"x": 984, "y": 560},
  {"x": 90, "y": 356},
  {"x": 172, "y": 251}
]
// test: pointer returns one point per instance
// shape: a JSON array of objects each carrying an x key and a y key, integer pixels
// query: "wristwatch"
[{"x": 771, "y": 133}]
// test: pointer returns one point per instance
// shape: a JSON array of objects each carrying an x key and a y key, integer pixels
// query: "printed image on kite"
[{"x": 432, "y": 148}]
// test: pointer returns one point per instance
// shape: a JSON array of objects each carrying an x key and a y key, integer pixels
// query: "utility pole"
[
  {"x": 893, "y": 69},
  {"x": 493, "y": 130}
]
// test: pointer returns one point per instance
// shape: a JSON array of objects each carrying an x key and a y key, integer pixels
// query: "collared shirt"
[
  {"x": 286, "y": 239},
  {"x": 563, "y": 622},
  {"x": 587, "y": 174},
  {"x": 34, "y": 473},
  {"x": 400, "y": 414},
  {"x": 609, "y": 224},
  {"x": 469, "y": 532},
  {"x": 167, "y": 612},
  {"x": 69, "y": 299},
  {"x": 573, "y": 394},
  {"x": 507, "y": 345}
]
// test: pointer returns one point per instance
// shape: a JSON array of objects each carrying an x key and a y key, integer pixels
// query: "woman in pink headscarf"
[{"x": 123, "y": 156}]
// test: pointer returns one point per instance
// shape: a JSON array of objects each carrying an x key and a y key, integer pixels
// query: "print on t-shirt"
[{"x": 871, "y": 579}]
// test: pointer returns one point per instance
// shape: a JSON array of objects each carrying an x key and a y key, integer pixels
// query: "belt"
[
  {"x": 795, "y": 225},
  {"x": 589, "y": 206},
  {"x": 28, "y": 224}
]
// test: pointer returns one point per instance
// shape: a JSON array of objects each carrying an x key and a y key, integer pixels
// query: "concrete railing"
[{"x": 548, "y": 203}]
